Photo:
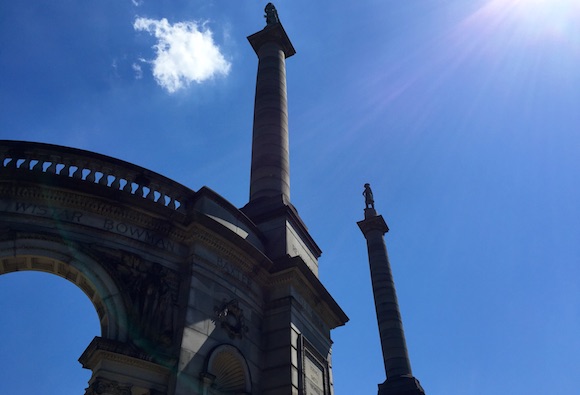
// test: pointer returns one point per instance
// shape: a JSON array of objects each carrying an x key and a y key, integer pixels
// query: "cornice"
[
  {"x": 111, "y": 350},
  {"x": 294, "y": 271}
]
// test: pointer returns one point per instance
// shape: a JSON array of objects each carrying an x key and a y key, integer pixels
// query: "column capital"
[
  {"x": 372, "y": 222},
  {"x": 272, "y": 33}
]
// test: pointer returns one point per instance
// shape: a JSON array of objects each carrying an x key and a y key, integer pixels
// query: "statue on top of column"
[
  {"x": 271, "y": 14},
  {"x": 368, "y": 194}
]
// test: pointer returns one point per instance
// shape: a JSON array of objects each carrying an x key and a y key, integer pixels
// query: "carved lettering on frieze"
[
  {"x": 151, "y": 237},
  {"x": 233, "y": 271},
  {"x": 58, "y": 214},
  {"x": 139, "y": 234}
]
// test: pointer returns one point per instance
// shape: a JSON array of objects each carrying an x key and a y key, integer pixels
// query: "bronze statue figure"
[
  {"x": 271, "y": 14},
  {"x": 368, "y": 194}
]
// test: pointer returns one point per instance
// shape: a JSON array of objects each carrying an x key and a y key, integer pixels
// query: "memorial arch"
[
  {"x": 194, "y": 295},
  {"x": 57, "y": 219},
  {"x": 187, "y": 298}
]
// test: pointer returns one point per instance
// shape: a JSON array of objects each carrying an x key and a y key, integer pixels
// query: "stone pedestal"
[{"x": 403, "y": 385}]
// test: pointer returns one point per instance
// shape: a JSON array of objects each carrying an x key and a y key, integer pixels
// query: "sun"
[
  {"x": 538, "y": 19},
  {"x": 548, "y": 8},
  {"x": 547, "y": 11}
]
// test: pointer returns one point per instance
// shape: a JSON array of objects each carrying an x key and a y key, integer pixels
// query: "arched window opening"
[{"x": 46, "y": 322}]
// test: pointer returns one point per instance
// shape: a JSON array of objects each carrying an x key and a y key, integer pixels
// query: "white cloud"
[
  {"x": 137, "y": 69},
  {"x": 185, "y": 52}
]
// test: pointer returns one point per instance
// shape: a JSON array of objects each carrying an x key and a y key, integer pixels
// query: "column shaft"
[
  {"x": 270, "y": 171},
  {"x": 391, "y": 331}
]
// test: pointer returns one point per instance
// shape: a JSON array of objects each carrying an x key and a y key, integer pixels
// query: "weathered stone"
[{"x": 194, "y": 296}]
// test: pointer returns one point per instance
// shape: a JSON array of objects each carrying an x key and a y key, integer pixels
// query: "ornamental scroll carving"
[{"x": 152, "y": 290}]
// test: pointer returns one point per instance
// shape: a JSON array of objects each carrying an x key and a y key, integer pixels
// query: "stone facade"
[
  {"x": 189, "y": 303},
  {"x": 194, "y": 296}
]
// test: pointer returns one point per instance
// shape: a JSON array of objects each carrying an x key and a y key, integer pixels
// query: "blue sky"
[{"x": 464, "y": 115}]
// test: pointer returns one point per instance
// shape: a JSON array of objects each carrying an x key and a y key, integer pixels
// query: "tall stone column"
[
  {"x": 269, "y": 206},
  {"x": 400, "y": 380},
  {"x": 270, "y": 171}
]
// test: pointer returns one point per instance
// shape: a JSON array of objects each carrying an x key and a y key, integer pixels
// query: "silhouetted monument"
[
  {"x": 271, "y": 14},
  {"x": 369, "y": 199},
  {"x": 400, "y": 380}
]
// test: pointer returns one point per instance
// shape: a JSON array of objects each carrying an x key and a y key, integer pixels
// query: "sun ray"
[{"x": 540, "y": 20}]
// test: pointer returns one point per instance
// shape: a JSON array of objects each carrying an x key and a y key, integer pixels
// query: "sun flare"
[
  {"x": 543, "y": 11},
  {"x": 539, "y": 20}
]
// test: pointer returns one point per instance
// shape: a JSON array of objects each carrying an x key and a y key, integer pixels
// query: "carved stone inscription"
[
  {"x": 52, "y": 212},
  {"x": 139, "y": 234},
  {"x": 313, "y": 377},
  {"x": 89, "y": 219},
  {"x": 230, "y": 269}
]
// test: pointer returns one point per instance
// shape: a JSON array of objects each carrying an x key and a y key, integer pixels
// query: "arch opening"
[
  {"x": 45, "y": 325},
  {"x": 67, "y": 271}
]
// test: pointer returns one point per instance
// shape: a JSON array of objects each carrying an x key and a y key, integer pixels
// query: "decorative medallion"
[{"x": 231, "y": 318}]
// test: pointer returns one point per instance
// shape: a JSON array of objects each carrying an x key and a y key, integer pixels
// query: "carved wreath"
[{"x": 231, "y": 318}]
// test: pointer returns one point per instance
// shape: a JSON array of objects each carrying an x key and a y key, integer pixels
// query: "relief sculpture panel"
[{"x": 152, "y": 291}]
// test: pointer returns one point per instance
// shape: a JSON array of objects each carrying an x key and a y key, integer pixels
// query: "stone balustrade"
[{"x": 89, "y": 167}]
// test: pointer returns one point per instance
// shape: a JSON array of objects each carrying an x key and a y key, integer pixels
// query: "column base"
[{"x": 403, "y": 385}]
